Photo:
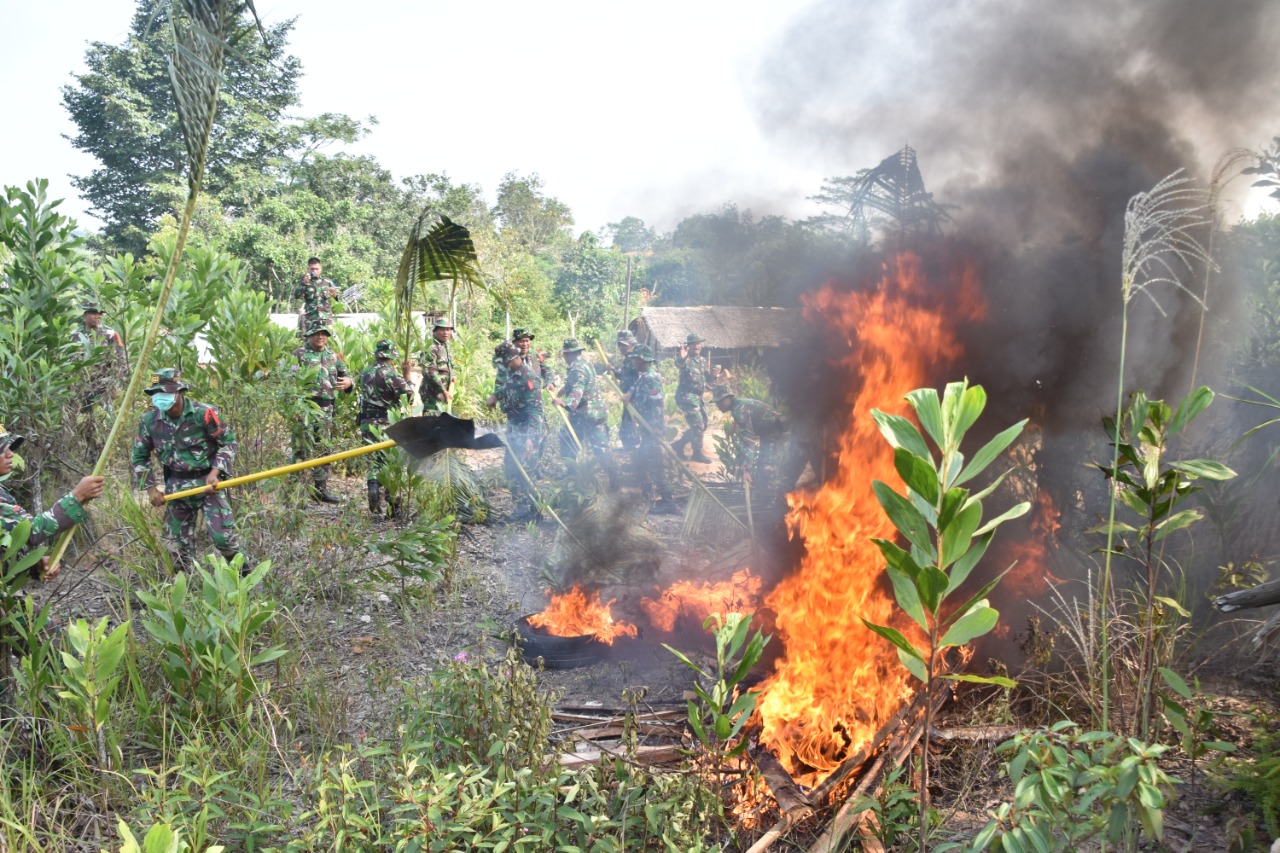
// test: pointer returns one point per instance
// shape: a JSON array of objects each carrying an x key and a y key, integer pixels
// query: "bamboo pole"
[{"x": 283, "y": 469}]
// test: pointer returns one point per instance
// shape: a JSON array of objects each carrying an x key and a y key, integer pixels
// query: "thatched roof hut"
[{"x": 729, "y": 330}]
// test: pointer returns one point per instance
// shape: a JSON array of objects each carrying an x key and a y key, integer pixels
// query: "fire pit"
[{"x": 558, "y": 652}]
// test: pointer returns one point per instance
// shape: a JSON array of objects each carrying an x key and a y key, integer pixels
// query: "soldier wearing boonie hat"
[
  {"x": 521, "y": 400},
  {"x": 194, "y": 448},
  {"x": 105, "y": 378},
  {"x": 581, "y": 397},
  {"x": 648, "y": 398},
  {"x": 625, "y": 374},
  {"x": 381, "y": 388},
  {"x": 312, "y": 436},
  {"x": 63, "y": 515},
  {"x": 437, "y": 369},
  {"x": 689, "y": 391}
]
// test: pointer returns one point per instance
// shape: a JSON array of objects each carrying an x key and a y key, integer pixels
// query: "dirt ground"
[{"x": 361, "y": 640}]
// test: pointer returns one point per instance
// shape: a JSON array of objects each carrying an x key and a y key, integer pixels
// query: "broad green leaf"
[
  {"x": 965, "y": 562},
  {"x": 914, "y": 665},
  {"x": 904, "y": 516},
  {"x": 997, "y": 680},
  {"x": 979, "y": 620},
  {"x": 897, "y": 558},
  {"x": 895, "y": 637},
  {"x": 917, "y": 473},
  {"x": 900, "y": 432},
  {"x": 931, "y": 584},
  {"x": 976, "y": 597},
  {"x": 1193, "y": 404},
  {"x": 1175, "y": 681},
  {"x": 1177, "y": 521},
  {"x": 908, "y": 597},
  {"x": 952, "y": 501},
  {"x": 929, "y": 412},
  {"x": 1203, "y": 469},
  {"x": 1008, "y": 515},
  {"x": 1117, "y": 527},
  {"x": 957, "y": 535},
  {"x": 989, "y": 452},
  {"x": 971, "y": 402},
  {"x": 1174, "y": 605}
]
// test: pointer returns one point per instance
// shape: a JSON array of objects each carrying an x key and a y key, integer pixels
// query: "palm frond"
[{"x": 438, "y": 249}]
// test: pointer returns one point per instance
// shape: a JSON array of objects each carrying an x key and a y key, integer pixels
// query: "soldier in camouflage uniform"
[
  {"x": 580, "y": 397},
  {"x": 763, "y": 433},
  {"x": 693, "y": 383},
  {"x": 648, "y": 398},
  {"x": 316, "y": 293},
  {"x": 437, "y": 369},
  {"x": 520, "y": 398},
  {"x": 106, "y": 377},
  {"x": 194, "y": 448},
  {"x": 523, "y": 339},
  {"x": 312, "y": 434},
  {"x": 381, "y": 388},
  {"x": 626, "y": 375},
  {"x": 67, "y": 512}
]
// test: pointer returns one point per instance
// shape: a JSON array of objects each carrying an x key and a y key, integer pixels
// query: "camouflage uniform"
[
  {"x": 629, "y": 433},
  {"x": 763, "y": 433},
  {"x": 104, "y": 378},
  {"x": 437, "y": 373},
  {"x": 381, "y": 387},
  {"x": 689, "y": 392},
  {"x": 312, "y": 435},
  {"x": 648, "y": 398},
  {"x": 521, "y": 400},
  {"x": 581, "y": 396},
  {"x": 545, "y": 373},
  {"x": 316, "y": 304},
  {"x": 187, "y": 448}
]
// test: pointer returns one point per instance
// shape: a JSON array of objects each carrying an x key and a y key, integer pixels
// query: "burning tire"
[{"x": 557, "y": 652}]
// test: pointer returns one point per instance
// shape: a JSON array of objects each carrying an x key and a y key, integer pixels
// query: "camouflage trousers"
[
  {"x": 180, "y": 521},
  {"x": 694, "y": 410},
  {"x": 313, "y": 437},
  {"x": 524, "y": 451},
  {"x": 371, "y": 433},
  {"x": 629, "y": 431},
  {"x": 592, "y": 434}
]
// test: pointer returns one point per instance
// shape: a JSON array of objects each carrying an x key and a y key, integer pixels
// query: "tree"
[
  {"x": 534, "y": 221},
  {"x": 631, "y": 235},
  {"x": 590, "y": 284},
  {"x": 124, "y": 111}
]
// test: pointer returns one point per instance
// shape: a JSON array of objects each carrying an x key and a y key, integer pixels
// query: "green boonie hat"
[
  {"x": 442, "y": 323},
  {"x": 626, "y": 337},
  {"x": 641, "y": 351},
  {"x": 9, "y": 441},
  {"x": 385, "y": 347},
  {"x": 521, "y": 335},
  {"x": 505, "y": 351},
  {"x": 572, "y": 345},
  {"x": 719, "y": 392},
  {"x": 318, "y": 327},
  {"x": 90, "y": 306},
  {"x": 694, "y": 338},
  {"x": 166, "y": 376}
]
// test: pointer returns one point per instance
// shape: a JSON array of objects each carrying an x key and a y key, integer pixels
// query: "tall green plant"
[
  {"x": 1159, "y": 240},
  {"x": 941, "y": 521},
  {"x": 1152, "y": 487}
]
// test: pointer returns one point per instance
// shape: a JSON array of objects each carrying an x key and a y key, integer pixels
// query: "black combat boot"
[
  {"x": 320, "y": 491},
  {"x": 375, "y": 499}
]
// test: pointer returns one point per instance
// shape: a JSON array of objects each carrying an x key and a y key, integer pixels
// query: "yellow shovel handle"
[{"x": 283, "y": 469}]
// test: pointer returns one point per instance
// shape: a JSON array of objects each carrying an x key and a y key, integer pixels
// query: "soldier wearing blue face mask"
[{"x": 194, "y": 447}]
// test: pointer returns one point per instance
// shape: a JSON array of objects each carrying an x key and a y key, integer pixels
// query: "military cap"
[
  {"x": 626, "y": 337},
  {"x": 719, "y": 392},
  {"x": 318, "y": 327},
  {"x": 572, "y": 345},
  {"x": 442, "y": 323},
  {"x": 385, "y": 348},
  {"x": 641, "y": 351},
  {"x": 9, "y": 441},
  {"x": 694, "y": 338},
  {"x": 91, "y": 306},
  {"x": 167, "y": 379},
  {"x": 505, "y": 351},
  {"x": 521, "y": 335}
]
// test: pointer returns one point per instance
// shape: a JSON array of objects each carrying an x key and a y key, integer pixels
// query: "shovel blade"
[{"x": 425, "y": 435}]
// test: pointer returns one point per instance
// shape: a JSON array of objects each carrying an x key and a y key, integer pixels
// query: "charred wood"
[{"x": 1258, "y": 596}]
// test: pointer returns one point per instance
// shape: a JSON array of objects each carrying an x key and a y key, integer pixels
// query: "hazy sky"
[
  {"x": 671, "y": 107},
  {"x": 623, "y": 108}
]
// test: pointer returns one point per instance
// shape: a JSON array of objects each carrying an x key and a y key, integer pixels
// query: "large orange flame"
[
  {"x": 837, "y": 682},
  {"x": 697, "y": 601},
  {"x": 576, "y": 613}
]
